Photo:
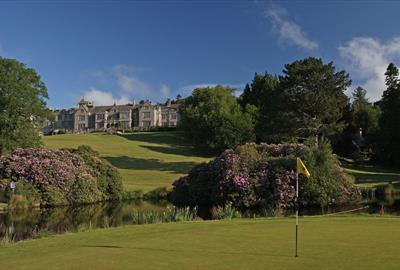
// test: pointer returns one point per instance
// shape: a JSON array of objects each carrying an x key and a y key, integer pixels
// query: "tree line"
[{"x": 306, "y": 102}]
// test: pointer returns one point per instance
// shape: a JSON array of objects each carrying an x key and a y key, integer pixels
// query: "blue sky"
[{"x": 115, "y": 51}]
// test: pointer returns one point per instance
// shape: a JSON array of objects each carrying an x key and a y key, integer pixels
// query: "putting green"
[{"x": 325, "y": 243}]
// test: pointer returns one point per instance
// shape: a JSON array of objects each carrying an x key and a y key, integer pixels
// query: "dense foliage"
[
  {"x": 389, "y": 142},
  {"x": 360, "y": 136},
  {"x": 23, "y": 106},
  {"x": 57, "y": 177},
  {"x": 214, "y": 121},
  {"x": 307, "y": 101},
  {"x": 263, "y": 176}
]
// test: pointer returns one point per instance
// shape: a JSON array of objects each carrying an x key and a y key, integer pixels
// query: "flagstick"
[{"x": 297, "y": 210}]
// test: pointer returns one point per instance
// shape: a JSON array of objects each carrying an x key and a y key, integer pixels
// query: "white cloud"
[
  {"x": 121, "y": 68},
  {"x": 368, "y": 59},
  {"x": 99, "y": 97},
  {"x": 165, "y": 91},
  {"x": 132, "y": 85},
  {"x": 288, "y": 30},
  {"x": 122, "y": 78}
]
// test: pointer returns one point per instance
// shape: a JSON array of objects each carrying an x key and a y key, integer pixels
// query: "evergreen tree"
[
  {"x": 389, "y": 143},
  {"x": 366, "y": 114},
  {"x": 313, "y": 94},
  {"x": 264, "y": 94}
]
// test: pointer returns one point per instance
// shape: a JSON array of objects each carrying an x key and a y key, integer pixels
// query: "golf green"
[{"x": 325, "y": 243}]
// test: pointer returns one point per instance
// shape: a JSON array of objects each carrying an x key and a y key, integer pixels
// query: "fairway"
[
  {"x": 145, "y": 160},
  {"x": 325, "y": 243},
  {"x": 369, "y": 176}
]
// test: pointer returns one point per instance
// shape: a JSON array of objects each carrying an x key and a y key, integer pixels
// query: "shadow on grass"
[
  {"x": 368, "y": 174},
  {"x": 197, "y": 251},
  {"x": 103, "y": 246},
  {"x": 172, "y": 138},
  {"x": 174, "y": 143},
  {"x": 175, "y": 150},
  {"x": 125, "y": 162}
]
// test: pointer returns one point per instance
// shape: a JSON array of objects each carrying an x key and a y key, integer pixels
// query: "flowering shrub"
[
  {"x": 108, "y": 178},
  {"x": 263, "y": 176},
  {"x": 58, "y": 176}
]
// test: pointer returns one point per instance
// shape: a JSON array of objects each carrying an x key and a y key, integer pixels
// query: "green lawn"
[
  {"x": 145, "y": 160},
  {"x": 371, "y": 175},
  {"x": 325, "y": 243}
]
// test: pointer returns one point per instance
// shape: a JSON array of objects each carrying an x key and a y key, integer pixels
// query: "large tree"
[
  {"x": 22, "y": 105},
  {"x": 361, "y": 118},
  {"x": 264, "y": 93},
  {"x": 313, "y": 98},
  {"x": 366, "y": 114},
  {"x": 214, "y": 121},
  {"x": 389, "y": 143}
]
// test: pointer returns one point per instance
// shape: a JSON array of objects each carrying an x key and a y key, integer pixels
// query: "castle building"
[{"x": 129, "y": 117}]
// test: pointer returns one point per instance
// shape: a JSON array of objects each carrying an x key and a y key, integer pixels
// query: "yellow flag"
[{"x": 301, "y": 168}]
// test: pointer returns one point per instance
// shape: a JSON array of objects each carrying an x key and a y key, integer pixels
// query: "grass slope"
[
  {"x": 325, "y": 243},
  {"x": 372, "y": 175},
  {"x": 145, "y": 160}
]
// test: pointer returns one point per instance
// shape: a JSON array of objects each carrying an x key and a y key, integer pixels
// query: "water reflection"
[
  {"x": 23, "y": 224},
  {"x": 20, "y": 225}
]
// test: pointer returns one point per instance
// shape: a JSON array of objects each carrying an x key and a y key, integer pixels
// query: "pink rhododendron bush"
[
  {"x": 263, "y": 177},
  {"x": 57, "y": 177}
]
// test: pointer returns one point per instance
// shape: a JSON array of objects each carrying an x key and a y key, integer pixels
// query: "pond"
[
  {"x": 34, "y": 223},
  {"x": 23, "y": 224}
]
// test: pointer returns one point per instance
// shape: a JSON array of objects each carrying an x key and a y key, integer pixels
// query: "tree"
[
  {"x": 389, "y": 142},
  {"x": 23, "y": 105},
  {"x": 264, "y": 94},
  {"x": 366, "y": 115},
  {"x": 214, "y": 121},
  {"x": 361, "y": 118},
  {"x": 313, "y": 96}
]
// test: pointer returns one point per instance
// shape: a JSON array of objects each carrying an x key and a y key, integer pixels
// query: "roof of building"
[{"x": 126, "y": 107}]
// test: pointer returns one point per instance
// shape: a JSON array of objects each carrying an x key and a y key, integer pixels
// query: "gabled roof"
[{"x": 102, "y": 109}]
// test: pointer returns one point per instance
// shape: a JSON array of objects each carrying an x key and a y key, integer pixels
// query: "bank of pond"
[
  {"x": 56, "y": 191},
  {"x": 21, "y": 224}
]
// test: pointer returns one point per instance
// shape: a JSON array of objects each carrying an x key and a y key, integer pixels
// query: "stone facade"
[{"x": 87, "y": 117}]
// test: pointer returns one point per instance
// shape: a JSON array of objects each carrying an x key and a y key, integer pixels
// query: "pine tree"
[{"x": 389, "y": 143}]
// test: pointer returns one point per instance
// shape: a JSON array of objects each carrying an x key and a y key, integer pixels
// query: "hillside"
[{"x": 145, "y": 160}]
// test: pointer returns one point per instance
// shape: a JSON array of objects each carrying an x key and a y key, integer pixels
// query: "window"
[
  {"x": 173, "y": 116},
  {"x": 100, "y": 116},
  {"x": 164, "y": 116},
  {"x": 81, "y": 126},
  {"x": 146, "y": 115},
  {"x": 124, "y": 115},
  {"x": 81, "y": 118},
  {"x": 124, "y": 124},
  {"x": 146, "y": 123},
  {"x": 146, "y": 107}
]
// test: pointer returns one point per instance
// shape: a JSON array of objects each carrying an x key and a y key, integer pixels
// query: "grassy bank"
[
  {"x": 325, "y": 243},
  {"x": 368, "y": 175},
  {"x": 145, "y": 160}
]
